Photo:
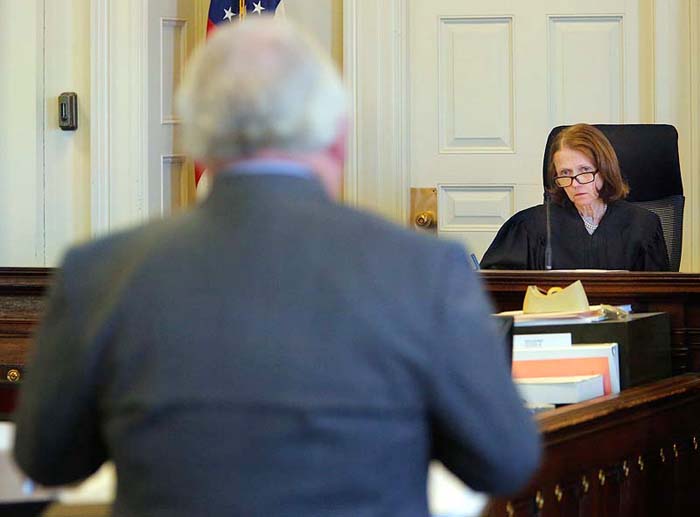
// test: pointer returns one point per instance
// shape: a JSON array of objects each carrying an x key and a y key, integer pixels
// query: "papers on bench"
[
  {"x": 596, "y": 359},
  {"x": 549, "y": 340},
  {"x": 560, "y": 390},
  {"x": 595, "y": 313},
  {"x": 568, "y": 361}
]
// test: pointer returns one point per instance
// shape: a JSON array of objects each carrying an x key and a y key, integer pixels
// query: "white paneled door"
[
  {"x": 139, "y": 53},
  {"x": 173, "y": 27},
  {"x": 488, "y": 79}
]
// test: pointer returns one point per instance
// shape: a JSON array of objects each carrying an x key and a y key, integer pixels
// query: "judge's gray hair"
[{"x": 260, "y": 84}]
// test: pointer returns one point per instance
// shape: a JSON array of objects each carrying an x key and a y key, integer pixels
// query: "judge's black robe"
[{"x": 628, "y": 237}]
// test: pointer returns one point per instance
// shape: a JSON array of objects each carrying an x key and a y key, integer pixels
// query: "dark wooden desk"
[
  {"x": 636, "y": 453},
  {"x": 675, "y": 293},
  {"x": 22, "y": 291},
  {"x": 602, "y": 440}
]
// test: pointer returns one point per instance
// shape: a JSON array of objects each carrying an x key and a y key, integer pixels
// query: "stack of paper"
[
  {"x": 560, "y": 390},
  {"x": 598, "y": 359},
  {"x": 593, "y": 314}
]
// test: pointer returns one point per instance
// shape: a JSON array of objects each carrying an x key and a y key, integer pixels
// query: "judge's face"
[{"x": 570, "y": 163}]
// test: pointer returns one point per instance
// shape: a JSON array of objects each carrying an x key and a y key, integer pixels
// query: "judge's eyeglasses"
[{"x": 581, "y": 178}]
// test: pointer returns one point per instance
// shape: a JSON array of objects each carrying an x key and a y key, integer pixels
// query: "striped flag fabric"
[{"x": 232, "y": 11}]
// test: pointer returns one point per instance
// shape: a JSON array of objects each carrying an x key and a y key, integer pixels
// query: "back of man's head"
[{"x": 256, "y": 86}]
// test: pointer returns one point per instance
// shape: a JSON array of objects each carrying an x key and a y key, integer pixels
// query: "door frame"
[
  {"x": 119, "y": 110},
  {"x": 119, "y": 144},
  {"x": 375, "y": 67}
]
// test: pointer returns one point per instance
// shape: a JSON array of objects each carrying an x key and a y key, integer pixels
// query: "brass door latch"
[
  {"x": 424, "y": 214},
  {"x": 425, "y": 219}
]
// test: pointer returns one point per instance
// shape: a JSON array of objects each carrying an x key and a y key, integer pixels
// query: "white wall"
[
  {"x": 44, "y": 178},
  {"x": 67, "y": 153},
  {"x": 21, "y": 142},
  {"x": 323, "y": 19}
]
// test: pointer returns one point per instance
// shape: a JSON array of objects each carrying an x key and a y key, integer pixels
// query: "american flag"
[
  {"x": 221, "y": 11},
  {"x": 230, "y": 11}
]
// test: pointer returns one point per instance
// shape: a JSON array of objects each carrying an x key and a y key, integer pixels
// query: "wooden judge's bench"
[{"x": 635, "y": 453}]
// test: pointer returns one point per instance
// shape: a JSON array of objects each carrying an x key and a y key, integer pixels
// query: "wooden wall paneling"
[
  {"x": 22, "y": 291},
  {"x": 682, "y": 473},
  {"x": 615, "y": 455},
  {"x": 694, "y": 467},
  {"x": 609, "y": 482},
  {"x": 632, "y": 483},
  {"x": 691, "y": 335}
]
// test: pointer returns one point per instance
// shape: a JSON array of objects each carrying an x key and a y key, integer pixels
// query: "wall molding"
[
  {"x": 675, "y": 102},
  {"x": 176, "y": 24},
  {"x": 501, "y": 86},
  {"x": 694, "y": 176},
  {"x": 40, "y": 254},
  {"x": 170, "y": 184},
  {"x": 560, "y": 29},
  {"x": 377, "y": 167},
  {"x": 474, "y": 207},
  {"x": 100, "y": 165},
  {"x": 119, "y": 113},
  {"x": 350, "y": 191}
]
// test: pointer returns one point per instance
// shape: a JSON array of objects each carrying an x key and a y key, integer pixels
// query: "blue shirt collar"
[{"x": 265, "y": 166}]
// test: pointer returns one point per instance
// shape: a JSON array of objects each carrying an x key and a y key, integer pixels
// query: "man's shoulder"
[{"x": 121, "y": 246}]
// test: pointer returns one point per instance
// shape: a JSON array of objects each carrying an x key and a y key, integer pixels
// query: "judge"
[{"x": 592, "y": 227}]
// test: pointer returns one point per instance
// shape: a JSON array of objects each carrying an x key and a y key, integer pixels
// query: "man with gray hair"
[{"x": 270, "y": 352}]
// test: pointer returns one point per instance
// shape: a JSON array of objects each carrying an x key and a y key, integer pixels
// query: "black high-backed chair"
[{"x": 648, "y": 156}]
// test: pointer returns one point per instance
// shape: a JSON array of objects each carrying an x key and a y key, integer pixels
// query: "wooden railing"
[{"x": 631, "y": 454}]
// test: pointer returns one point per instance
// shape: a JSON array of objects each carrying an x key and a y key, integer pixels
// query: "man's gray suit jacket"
[{"x": 271, "y": 353}]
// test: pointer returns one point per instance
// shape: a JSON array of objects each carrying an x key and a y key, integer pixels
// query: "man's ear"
[{"x": 338, "y": 149}]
